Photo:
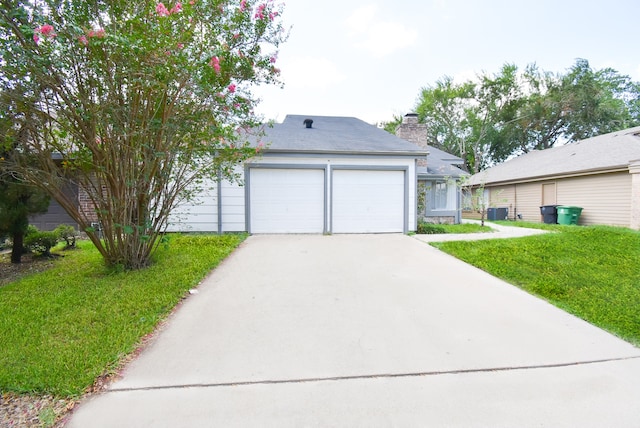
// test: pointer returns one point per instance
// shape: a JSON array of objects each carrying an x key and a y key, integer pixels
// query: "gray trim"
[
  {"x": 405, "y": 169},
  {"x": 415, "y": 196},
  {"x": 219, "y": 201},
  {"x": 317, "y": 154},
  {"x": 247, "y": 189}
]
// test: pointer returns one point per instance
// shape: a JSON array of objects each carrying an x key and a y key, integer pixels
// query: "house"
[
  {"x": 599, "y": 174},
  {"x": 318, "y": 174},
  {"x": 439, "y": 177}
]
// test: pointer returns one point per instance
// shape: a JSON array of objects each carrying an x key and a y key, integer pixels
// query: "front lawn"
[
  {"x": 592, "y": 272},
  {"x": 430, "y": 228},
  {"x": 63, "y": 328}
]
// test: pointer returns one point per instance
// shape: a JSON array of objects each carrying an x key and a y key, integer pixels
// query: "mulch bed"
[{"x": 31, "y": 263}]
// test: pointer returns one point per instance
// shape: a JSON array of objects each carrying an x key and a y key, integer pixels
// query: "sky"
[{"x": 370, "y": 58}]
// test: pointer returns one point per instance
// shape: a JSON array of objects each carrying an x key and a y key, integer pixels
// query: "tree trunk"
[{"x": 18, "y": 244}]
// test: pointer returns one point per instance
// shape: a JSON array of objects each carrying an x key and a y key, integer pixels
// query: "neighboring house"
[
  {"x": 438, "y": 176},
  {"x": 599, "y": 174},
  {"x": 55, "y": 215},
  {"x": 317, "y": 174}
]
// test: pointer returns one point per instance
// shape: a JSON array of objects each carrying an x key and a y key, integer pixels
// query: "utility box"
[{"x": 497, "y": 213}]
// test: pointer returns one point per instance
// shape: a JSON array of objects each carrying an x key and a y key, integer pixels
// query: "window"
[{"x": 440, "y": 195}]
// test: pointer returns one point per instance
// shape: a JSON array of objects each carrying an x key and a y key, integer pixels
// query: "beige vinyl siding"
[
  {"x": 529, "y": 199},
  {"x": 503, "y": 197},
  {"x": 605, "y": 198}
]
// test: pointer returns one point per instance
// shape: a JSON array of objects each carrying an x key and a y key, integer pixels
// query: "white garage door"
[
  {"x": 368, "y": 201},
  {"x": 286, "y": 200}
]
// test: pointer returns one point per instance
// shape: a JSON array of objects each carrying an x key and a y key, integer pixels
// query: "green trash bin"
[{"x": 568, "y": 215}]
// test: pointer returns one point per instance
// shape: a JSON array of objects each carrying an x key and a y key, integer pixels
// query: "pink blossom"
[
  {"x": 83, "y": 40},
  {"x": 232, "y": 88},
  {"x": 215, "y": 63},
  {"x": 177, "y": 8},
  {"x": 236, "y": 36},
  {"x": 99, "y": 33},
  {"x": 273, "y": 59},
  {"x": 192, "y": 2},
  {"x": 260, "y": 11},
  {"x": 46, "y": 30},
  {"x": 180, "y": 45},
  {"x": 162, "y": 10},
  {"x": 243, "y": 5}
]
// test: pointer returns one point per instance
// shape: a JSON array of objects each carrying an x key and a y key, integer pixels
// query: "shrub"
[
  {"x": 68, "y": 234},
  {"x": 40, "y": 241},
  {"x": 430, "y": 228}
]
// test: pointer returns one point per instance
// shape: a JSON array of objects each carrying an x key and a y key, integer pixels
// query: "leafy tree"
[
  {"x": 18, "y": 200},
  {"x": 496, "y": 116},
  {"x": 135, "y": 102},
  {"x": 579, "y": 104},
  {"x": 464, "y": 118}
]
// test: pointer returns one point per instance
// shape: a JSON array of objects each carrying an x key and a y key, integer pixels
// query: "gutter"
[{"x": 607, "y": 170}]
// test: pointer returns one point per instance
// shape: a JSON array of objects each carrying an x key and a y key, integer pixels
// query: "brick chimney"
[{"x": 414, "y": 132}]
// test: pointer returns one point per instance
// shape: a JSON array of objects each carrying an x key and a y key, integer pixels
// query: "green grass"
[
  {"x": 428, "y": 228},
  {"x": 531, "y": 225},
  {"x": 591, "y": 272},
  {"x": 62, "y": 328}
]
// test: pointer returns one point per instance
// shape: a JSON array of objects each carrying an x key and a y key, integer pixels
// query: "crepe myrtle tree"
[{"x": 135, "y": 102}]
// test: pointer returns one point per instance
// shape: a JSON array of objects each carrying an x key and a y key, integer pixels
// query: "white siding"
[
  {"x": 233, "y": 219},
  {"x": 199, "y": 214}
]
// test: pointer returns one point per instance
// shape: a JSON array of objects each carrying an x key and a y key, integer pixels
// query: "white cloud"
[
  {"x": 376, "y": 35},
  {"x": 310, "y": 72}
]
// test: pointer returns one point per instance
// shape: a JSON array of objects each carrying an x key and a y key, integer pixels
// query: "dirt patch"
[
  {"x": 10, "y": 272},
  {"x": 30, "y": 411}
]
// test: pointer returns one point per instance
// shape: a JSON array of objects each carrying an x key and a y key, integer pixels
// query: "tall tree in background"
[
  {"x": 497, "y": 116},
  {"x": 134, "y": 102},
  {"x": 18, "y": 200}
]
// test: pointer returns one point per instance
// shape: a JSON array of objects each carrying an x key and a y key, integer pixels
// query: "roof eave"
[
  {"x": 345, "y": 152},
  {"x": 606, "y": 170}
]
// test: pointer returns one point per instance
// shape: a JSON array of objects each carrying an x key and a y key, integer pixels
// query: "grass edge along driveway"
[
  {"x": 592, "y": 272},
  {"x": 63, "y": 328}
]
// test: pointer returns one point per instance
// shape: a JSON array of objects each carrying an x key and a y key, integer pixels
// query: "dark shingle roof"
[
  {"x": 340, "y": 135},
  {"x": 604, "y": 152}
]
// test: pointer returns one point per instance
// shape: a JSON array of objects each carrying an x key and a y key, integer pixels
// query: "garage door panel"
[
  {"x": 370, "y": 201},
  {"x": 287, "y": 200}
]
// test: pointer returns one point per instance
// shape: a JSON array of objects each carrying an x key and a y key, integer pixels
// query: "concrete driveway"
[{"x": 371, "y": 331}]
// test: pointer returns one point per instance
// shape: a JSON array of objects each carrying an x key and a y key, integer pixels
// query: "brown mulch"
[
  {"x": 30, "y": 263},
  {"x": 17, "y": 410}
]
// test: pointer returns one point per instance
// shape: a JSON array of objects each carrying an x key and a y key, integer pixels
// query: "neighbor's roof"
[
  {"x": 340, "y": 135},
  {"x": 597, "y": 154}
]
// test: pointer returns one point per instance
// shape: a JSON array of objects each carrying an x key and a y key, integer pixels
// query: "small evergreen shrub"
[
  {"x": 429, "y": 228},
  {"x": 40, "y": 241},
  {"x": 68, "y": 234}
]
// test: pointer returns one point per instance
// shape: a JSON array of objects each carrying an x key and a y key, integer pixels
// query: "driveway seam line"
[{"x": 373, "y": 376}]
